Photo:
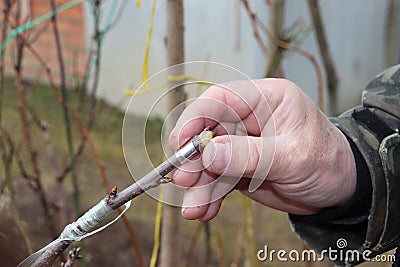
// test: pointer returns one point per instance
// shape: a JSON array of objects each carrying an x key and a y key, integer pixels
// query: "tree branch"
[
  {"x": 176, "y": 96},
  {"x": 256, "y": 32},
  {"x": 85, "y": 134},
  {"x": 253, "y": 16},
  {"x": 73, "y": 255},
  {"x": 22, "y": 107},
  {"x": 276, "y": 13},
  {"x": 64, "y": 95},
  {"x": 330, "y": 70}
]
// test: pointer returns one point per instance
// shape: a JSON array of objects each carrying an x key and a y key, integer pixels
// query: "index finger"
[{"x": 230, "y": 102}]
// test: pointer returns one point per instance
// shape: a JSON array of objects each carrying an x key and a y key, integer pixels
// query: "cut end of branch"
[{"x": 206, "y": 136}]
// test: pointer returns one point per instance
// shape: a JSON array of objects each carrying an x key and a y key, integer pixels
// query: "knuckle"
[{"x": 253, "y": 158}]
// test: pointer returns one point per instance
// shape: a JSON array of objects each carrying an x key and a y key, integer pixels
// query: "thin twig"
[
  {"x": 70, "y": 166},
  {"x": 250, "y": 236},
  {"x": 5, "y": 139},
  {"x": 24, "y": 173},
  {"x": 238, "y": 246},
  {"x": 86, "y": 136},
  {"x": 294, "y": 48},
  {"x": 313, "y": 61},
  {"x": 392, "y": 39},
  {"x": 75, "y": 115},
  {"x": 220, "y": 246},
  {"x": 98, "y": 37},
  {"x": 256, "y": 32},
  {"x": 44, "y": 127},
  {"x": 157, "y": 230},
  {"x": 83, "y": 86},
  {"x": 73, "y": 255},
  {"x": 330, "y": 70},
  {"x": 35, "y": 36},
  {"x": 7, "y": 155},
  {"x": 6, "y": 11},
  {"x": 17, "y": 218},
  {"x": 83, "y": 129},
  {"x": 64, "y": 95},
  {"x": 118, "y": 17},
  {"x": 82, "y": 89},
  {"x": 134, "y": 243},
  {"x": 26, "y": 134},
  {"x": 207, "y": 241},
  {"x": 192, "y": 244},
  {"x": 276, "y": 14}
]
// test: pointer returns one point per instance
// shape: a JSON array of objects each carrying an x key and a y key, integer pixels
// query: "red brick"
[{"x": 72, "y": 34}]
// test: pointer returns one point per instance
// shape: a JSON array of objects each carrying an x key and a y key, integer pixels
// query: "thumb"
[{"x": 239, "y": 156}]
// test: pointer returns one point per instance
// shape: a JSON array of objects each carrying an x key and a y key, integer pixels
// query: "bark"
[
  {"x": 175, "y": 50},
  {"x": 277, "y": 12},
  {"x": 329, "y": 66},
  {"x": 392, "y": 37}
]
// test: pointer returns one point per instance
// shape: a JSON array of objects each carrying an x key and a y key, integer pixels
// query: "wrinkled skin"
[{"x": 274, "y": 133}]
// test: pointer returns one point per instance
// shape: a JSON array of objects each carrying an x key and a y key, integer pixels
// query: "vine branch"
[
  {"x": 330, "y": 71},
  {"x": 256, "y": 20}
]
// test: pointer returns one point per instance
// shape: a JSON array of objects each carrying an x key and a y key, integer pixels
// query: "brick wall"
[{"x": 72, "y": 34}]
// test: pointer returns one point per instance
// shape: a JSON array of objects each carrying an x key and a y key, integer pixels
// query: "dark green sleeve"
[{"x": 370, "y": 221}]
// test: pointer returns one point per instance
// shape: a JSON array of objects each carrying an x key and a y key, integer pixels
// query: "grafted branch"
[
  {"x": 78, "y": 229},
  {"x": 48, "y": 257}
]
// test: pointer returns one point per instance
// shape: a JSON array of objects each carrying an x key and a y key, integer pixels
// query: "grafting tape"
[{"x": 79, "y": 229}]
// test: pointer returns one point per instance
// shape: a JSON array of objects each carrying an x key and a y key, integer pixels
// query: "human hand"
[{"x": 265, "y": 129}]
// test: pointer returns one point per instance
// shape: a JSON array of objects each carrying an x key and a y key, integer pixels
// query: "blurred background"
[{"x": 70, "y": 70}]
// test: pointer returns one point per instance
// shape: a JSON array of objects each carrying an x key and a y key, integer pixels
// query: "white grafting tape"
[{"x": 79, "y": 229}]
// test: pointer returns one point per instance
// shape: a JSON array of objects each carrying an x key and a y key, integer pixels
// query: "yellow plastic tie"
[
  {"x": 145, "y": 71},
  {"x": 184, "y": 78},
  {"x": 157, "y": 229},
  {"x": 170, "y": 78}
]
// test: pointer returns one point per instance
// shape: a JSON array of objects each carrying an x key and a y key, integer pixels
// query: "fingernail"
[
  {"x": 188, "y": 200},
  {"x": 222, "y": 157}
]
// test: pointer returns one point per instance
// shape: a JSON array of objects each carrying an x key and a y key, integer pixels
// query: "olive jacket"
[{"x": 369, "y": 223}]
